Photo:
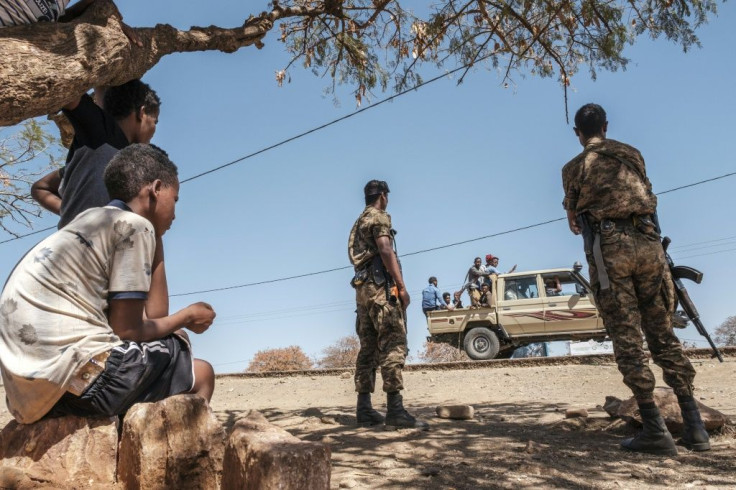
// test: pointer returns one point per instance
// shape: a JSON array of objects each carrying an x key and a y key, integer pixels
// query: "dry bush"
[
  {"x": 341, "y": 354},
  {"x": 433, "y": 352},
  {"x": 290, "y": 358},
  {"x": 725, "y": 334}
]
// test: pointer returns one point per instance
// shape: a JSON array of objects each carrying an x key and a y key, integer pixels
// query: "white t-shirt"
[
  {"x": 17, "y": 12},
  {"x": 53, "y": 307}
]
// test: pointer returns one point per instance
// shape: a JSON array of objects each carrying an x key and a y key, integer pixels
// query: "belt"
[
  {"x": 632, "y": 221},
  {"x": 606, "y": 224},
  {"x": 87, "y": 374}
]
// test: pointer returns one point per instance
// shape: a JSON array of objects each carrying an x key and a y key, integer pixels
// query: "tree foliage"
[
  {"x": 436, "y": 352},
  {"x": 725, "y": 334},
  {"x": 290, "y": 358},
  {"x": 342, "y": 354},
  {"x": 366, "y": 44},
  {"x": 26, "y": 153}
]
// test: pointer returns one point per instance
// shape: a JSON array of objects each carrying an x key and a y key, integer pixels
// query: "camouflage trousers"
[
  {"x": 382, "y": 332},
  {"x": 640, "y": 299}
]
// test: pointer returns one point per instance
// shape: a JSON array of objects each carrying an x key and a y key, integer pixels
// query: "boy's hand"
[{"x": 201, "y": 315}]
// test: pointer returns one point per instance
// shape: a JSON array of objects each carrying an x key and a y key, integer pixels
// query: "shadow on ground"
[{"x": 527, "y": 445}]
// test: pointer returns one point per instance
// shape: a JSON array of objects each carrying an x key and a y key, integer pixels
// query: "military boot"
[
  {"x": 397, "y": 416},
  {"x": 654, "y": 437},
  {"x": 694, "y": 435},
  {"x": 364, "y": 413}
]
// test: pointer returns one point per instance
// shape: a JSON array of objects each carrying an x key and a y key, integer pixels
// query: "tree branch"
[{"x": 46, "y": 65}]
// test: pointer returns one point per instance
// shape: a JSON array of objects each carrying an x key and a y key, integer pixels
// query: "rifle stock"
[{"x": 678, "y": 273}]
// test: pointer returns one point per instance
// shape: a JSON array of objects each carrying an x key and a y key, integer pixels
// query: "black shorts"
[{"x": 134, "y": 373}]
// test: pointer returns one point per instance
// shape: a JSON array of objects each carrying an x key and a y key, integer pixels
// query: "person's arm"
[
  {"x": 157, "y": 304},
  {"x": 78, "y": 9},
  {"x": 572, "y": 221},
  {"x": 127, "y": 321},
  {"x": 392, "y": 266},
  {"x": 438, "y": 300},
  {"x": 45, "y": 192}
]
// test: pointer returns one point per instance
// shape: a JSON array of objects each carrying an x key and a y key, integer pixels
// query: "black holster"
[{"x": 587, "y": 231}]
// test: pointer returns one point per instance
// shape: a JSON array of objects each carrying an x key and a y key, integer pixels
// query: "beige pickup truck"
[{"x": 522, "y": 310}]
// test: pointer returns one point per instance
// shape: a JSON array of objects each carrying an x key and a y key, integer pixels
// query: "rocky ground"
[{"x": 518, "y": 439}]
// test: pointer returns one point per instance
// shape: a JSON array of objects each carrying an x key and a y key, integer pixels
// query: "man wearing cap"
[
  {"x": 609, "y": 199},
  {"x": 381, "y": 299},
  {"x": 492, "y": 268}
]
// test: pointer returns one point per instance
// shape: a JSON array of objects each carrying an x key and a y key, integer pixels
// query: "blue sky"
[{"x": 463, "y": 161}]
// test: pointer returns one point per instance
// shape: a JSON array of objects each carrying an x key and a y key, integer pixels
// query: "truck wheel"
[{"x": 481, "y": 344}]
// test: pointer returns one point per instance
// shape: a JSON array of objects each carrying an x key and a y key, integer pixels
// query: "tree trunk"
[{"x": 46, "y": 65}]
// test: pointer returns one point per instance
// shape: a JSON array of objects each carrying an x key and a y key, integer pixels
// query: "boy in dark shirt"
[{"x": 130, "y": 116}]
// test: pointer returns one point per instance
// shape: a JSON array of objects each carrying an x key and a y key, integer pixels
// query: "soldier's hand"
[
  {"x": 404, "y": 297},
  {"x": 574, "y": 227},
  {"x": 199, "y": 317}
]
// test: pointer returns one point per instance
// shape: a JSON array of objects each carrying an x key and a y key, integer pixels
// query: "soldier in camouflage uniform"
[
  {"x": 381, "y": 299},
  {"x": 609, "y": 199}
]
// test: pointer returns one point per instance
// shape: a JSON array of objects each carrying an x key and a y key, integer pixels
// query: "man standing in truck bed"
[
  {"x": 382, "y": 299},
  {"x": 609, "y": 199}
]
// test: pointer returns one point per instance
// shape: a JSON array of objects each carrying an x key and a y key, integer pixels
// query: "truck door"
[
  {"x": 520, "y": 308},
  {"x": 567, "y": 307}
]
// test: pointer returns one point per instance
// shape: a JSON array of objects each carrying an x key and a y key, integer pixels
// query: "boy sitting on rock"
[{"x": 83, "y": 326}]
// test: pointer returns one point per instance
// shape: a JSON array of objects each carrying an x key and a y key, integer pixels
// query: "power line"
[
  {"x": 700, "y": 243},
  {"x": 27, "y": 234},
  {"x": 293, "y": 138},
  {"x": 703, "y": 255},
  {"x": 432, "y": 249}
]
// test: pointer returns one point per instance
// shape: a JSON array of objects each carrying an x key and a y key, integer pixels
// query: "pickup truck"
[{"x": 522, "y": 311}]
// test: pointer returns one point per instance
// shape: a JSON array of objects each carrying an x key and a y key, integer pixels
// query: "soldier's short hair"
[
  {"x": 373, "y": 189},
  {"x": 432, "y": 279},
  {"x": 590, "y": 119},
  {"x": 136, "y": 166}
]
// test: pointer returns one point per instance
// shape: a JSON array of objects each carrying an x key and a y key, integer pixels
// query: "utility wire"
[
  {"x": 432, "y": 249},
  {"x": 294, "y": 138}
]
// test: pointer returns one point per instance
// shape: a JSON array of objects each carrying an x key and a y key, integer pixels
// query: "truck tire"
[{"x": 481, "y": 344}]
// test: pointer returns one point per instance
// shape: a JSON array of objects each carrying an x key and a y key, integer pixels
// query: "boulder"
[
  {"x": 175, "y": 443},
  {"x": 666, "y": 400},
  {"x": 64, "y": 452},
  {"x": 457, "y": 412},
  {"x": 261, "y": 456}
]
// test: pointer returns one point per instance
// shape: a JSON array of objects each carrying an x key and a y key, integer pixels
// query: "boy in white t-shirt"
[{"x": 83, "y": 324}]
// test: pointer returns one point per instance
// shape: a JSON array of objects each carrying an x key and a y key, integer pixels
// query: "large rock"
[
  {"x": 174, "y": 443},
  {"x": 65, "y": 452},
  {"x": 667, "y": 402},
  {"x": 261, "y": 456}
]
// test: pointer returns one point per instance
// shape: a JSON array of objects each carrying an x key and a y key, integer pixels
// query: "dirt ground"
[{"x": 518, "y": 439}]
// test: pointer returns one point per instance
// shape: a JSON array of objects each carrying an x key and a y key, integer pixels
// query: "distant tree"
[
  {"x": 26, "y": 154},
  {"x": 686, "y": 344},
  {"x": 436, "y": 352},
  {"x": 341, "y": 354},
  {"x": 725, "y": 334},
  {"x": 290, "y": 358}
]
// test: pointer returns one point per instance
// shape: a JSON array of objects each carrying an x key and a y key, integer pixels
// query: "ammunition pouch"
[{"x": 372, "y": 271}]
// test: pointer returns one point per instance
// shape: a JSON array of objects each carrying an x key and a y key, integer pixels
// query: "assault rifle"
[{"x": 678, "y": 273}]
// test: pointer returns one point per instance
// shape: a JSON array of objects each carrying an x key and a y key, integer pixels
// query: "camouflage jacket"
[
  {"x": 597, "y": 181},
  {"x": 371, "y": 224}
]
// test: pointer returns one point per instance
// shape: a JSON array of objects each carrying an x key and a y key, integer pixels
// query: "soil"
[{"x": 519, "y": 437}]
